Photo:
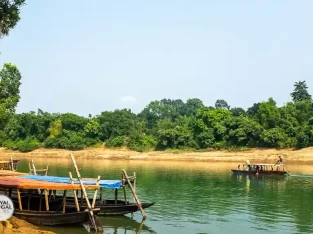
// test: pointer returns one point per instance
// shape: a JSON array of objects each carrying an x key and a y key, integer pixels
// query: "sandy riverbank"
[
  {"x": 17, "y": 226},
  {"x": 261, "y": 155}
]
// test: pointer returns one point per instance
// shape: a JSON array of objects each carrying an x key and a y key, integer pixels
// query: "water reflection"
[
  {"x": 204, "y": 197},
  {"x": 111, "y": 225}
]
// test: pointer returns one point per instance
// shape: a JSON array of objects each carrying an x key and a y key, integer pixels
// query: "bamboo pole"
[
  {"x": 92, "y": 219},
  {"x": 135, "y": 184},
  {"x": 115, "y": 196},
  {"x": 30, "y": 169},
  {"x": 50, "y": 192},
  {"x": 12, "y": 165},
  {"x": 95, "y": 195},
  {"x": 28, "y": 200},
  {"x": 47, "y": 200},
  {"x": 135, "y": 196},
  {"x": 19, "y": 199},
  {"x": 124, "y": 190},
  {"x": 101, "y": 195},
  {"x": 10, "y": 192},
  {"x": 64, "y": 201},
  {"x": 47, "y": 170},
  {"x": 40, "y": 200},
  {"x": 74, "y": 191},
  {"x": 34, "y": 168}
]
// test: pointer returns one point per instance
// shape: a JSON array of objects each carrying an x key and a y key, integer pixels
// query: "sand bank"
[
  {"x": 261, "y": 155},
  {"x": 16, "y": 226}
]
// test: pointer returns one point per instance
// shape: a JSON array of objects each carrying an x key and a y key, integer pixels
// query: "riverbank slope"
[
  {"x": 16, "y": 226},
  {"x": 261, "y": 155}
]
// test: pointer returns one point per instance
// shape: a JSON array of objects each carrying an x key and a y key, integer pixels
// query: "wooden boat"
[
  {"x": 29, "y": 208},
  {"x": 9, "y": 165},
  {"x": 261, "y": 169},
  {"x": 112, "y": 207},
  {"x": 107, "y": 207}
]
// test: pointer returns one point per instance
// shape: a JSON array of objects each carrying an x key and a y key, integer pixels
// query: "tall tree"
[
  {"x": 9, "y": 15},
  {"x": 221, "y": 104},
  {"x": 9, "y": 91},
  {"x": 300, "y": 92}
]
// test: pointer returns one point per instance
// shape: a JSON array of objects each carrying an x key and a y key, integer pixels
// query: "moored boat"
[
  {"x": 42, "y": 211},
  {"x": 107, "y": 207}
]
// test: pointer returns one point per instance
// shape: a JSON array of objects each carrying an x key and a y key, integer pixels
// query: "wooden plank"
[{"x": 23, "y": 183}]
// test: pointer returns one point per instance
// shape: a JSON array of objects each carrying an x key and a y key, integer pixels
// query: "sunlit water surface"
[{"x": 194, "y": 197}]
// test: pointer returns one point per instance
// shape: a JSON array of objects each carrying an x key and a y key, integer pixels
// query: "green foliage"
[
  {"x": 9, "y": 92},
  {"x": 55, "y": 128},
  {"x": 141, "y": 143},
  {"x": 27, "y": 145},
  {"x": 221, "y": 104},
  {"x": 300, "y": 92},
  {"x": 115, "y": 142},
  {"x": 10, "y": 15},
  {"x": 171, "y": 125}
]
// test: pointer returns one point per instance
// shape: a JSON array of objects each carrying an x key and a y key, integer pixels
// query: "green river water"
[{"x": 200, "y": 197}]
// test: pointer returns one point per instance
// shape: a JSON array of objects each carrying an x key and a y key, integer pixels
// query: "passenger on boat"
[
  {"x": 280, "y": 160},
  {"x": 239, "y": 167},
  {"x": 257, "y": 169}
]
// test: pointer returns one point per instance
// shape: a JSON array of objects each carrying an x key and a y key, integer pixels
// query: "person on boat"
[
  {"x": 280, "y": 160},
  {"x": 239, "y": 167},
  {"x": 257, "y": 169}
]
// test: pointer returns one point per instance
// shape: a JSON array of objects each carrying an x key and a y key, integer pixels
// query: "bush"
[
  {"x": 69, "y": 140},
  {"x": 27, "y": 145},
  {"x": 141, "y": 143},
  {"x": 119, "y": 141}
]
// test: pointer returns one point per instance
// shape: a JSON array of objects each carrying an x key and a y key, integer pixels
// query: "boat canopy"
[
  {"x": 66, "y": 180},
  {"x": 23, "y": 183},
  {"x": 265, "y": 164}
]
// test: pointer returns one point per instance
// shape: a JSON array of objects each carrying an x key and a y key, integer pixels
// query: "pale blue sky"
[{"x": 85, "y": 56}]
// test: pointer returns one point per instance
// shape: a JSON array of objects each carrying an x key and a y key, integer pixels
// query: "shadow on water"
[{"x": 114, "y": 225}]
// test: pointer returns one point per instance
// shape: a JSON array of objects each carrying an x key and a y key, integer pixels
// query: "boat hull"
[
  {"x": 51, "y": 218},
  {"x": 259, "y": 173},
  {"x": 107, "y": 207},
  {"x": 116, "y": 210}
]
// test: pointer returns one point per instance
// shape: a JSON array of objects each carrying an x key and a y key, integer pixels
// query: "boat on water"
[
  {"x": 108, "y": 207},
  {"x": 40, "y": 210},
  {"x": 261, "y": 169}
]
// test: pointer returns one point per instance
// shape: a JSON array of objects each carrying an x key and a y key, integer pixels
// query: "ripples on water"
[{"x": 194, "y": 199}]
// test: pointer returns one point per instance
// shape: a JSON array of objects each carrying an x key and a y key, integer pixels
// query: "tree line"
[{"x": 162, "y": 124}]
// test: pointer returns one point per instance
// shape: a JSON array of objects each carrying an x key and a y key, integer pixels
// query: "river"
[{"x": 195, "y": 197}]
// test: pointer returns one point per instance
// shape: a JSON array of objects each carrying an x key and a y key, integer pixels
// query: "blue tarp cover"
[{"x": 56, "y": 179}]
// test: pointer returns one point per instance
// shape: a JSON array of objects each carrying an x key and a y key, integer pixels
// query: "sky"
[{"x": 86, "y": 57}]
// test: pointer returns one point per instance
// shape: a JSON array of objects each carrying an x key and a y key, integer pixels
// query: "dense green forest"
[{"x": 164, "y": 124}]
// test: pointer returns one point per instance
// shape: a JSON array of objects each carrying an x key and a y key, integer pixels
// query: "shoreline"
[{"x": 302, "y": 156}]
